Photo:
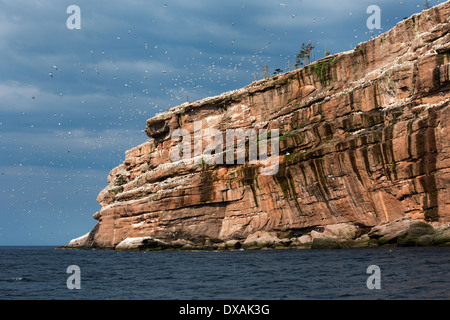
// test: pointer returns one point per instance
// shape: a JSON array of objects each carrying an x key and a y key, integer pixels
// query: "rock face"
[{"x": 364, "y": 139}]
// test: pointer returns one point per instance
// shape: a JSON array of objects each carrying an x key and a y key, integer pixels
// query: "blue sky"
[{"x": 73, "y": 101}]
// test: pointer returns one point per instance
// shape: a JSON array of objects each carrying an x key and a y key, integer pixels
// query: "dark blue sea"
[{"x": 40, "y": 273}]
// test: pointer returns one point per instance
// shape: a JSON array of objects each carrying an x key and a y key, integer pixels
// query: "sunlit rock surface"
[{"x": 364, "y": 140}]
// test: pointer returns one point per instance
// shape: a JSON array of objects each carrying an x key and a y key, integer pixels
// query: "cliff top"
[{"x": 422, "y": 28}]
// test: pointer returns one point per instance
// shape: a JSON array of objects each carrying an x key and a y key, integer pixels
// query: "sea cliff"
[{"x": 364, "y": 157}]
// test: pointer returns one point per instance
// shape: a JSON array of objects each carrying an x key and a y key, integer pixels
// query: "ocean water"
[{"x": 40, "y": 273}]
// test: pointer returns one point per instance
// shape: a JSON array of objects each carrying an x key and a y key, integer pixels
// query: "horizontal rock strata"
[{"x": 363, "y": 139}]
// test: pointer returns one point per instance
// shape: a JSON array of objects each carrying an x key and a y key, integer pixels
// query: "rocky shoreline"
[{"x": 404, "y": 232}]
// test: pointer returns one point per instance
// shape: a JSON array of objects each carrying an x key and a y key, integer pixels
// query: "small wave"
[{"x": 18, "y": 279}]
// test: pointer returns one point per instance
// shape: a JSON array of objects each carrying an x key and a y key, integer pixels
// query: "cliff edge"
[{"x": 363, "y": 142}]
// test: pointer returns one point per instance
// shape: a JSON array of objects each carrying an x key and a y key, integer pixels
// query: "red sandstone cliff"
[{"x": 364, "y": 138}]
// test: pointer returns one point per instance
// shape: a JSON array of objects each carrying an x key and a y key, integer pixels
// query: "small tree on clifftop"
[{"x": 304, "y": 55}]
